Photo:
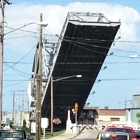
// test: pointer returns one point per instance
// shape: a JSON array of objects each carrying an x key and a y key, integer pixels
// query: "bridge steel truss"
[{"x": 81, "y": 49}]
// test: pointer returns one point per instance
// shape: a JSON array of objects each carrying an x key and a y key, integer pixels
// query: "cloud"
[
  {"x": 55, "y": 16},
  {"x": 18, "y": 43}
]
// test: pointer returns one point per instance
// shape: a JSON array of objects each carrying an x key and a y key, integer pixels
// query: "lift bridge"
[{"x": 81, "y": 49}]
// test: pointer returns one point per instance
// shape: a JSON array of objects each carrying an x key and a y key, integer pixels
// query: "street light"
[
  {"x": 54, "y": 80},
  {"x": 134, "y": 56},
  {"x": 43, "y": 24}
]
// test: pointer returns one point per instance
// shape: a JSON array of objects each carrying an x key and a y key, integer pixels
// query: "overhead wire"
[
  {"x": 20, "y": 59},
  {"x": 13, "y": 84},
  {"x": 87, "y": 40},
  {"x": 19, "y": 62},
  {"x": 29, "y": 35},
  {"x": 17, "y": 80},
  {"x": 22, "y": 30},
  {"x": 19, "y": 71},
  {"x": 101, "y": 46},
  {"x": 120, "y": 79}
]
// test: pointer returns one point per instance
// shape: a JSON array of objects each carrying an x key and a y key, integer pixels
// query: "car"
[
  {"x": 137, "y": 132},
  {"x": 113, "y": 136},
  {"x": 13, "y": 134},
  {"x": 123, "y": 129}
]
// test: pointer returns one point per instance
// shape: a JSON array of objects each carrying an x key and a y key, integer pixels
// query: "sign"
[{"x": 44, "y": 122}]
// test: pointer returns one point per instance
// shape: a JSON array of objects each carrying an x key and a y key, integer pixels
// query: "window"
[
  {"x": 115, "y": 119},
  {"x": 128, "y": 131},
  {"x": 119, "y": 137},
  {"x": 11, "y": 135}
]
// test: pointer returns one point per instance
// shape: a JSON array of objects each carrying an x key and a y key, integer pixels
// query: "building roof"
[{"x": 136, "y": 95}]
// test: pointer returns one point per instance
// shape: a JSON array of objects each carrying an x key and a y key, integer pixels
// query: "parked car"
[
  {"x": 113, "y": 136},
  {"x": 137, "y": 132},
  {"x": 123, "y": 129},
  {"x": 13, "y": 134}
]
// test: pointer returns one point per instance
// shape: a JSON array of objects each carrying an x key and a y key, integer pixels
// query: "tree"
[
  {"x": 24, "y": 123},
  {"x": 24, "y": 127},
  {"x": 138, "y": 116}
]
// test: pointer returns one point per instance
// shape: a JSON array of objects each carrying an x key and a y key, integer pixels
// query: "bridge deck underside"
[{"x": 82, "y": 52}]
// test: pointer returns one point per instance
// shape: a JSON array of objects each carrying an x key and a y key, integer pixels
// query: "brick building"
[{"x": 94, "y": 115}]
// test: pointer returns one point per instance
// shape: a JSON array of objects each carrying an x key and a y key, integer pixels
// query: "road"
[{"x": 87, "y": 135}]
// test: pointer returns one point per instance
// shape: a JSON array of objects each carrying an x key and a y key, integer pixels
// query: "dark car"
[{"x": 13, "y": 134}]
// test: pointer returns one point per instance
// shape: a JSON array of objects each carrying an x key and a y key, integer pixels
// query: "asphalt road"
[{"x": 87, "y": 135}]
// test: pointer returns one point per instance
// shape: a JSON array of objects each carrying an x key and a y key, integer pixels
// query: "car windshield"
[
  {"x": 120, "y": 130},
  {"x": 8, "y": 134},
  {"x": 119, "y": 137}
]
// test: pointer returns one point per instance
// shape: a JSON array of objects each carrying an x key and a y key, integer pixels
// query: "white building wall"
[{"x": 106, "y": 120}]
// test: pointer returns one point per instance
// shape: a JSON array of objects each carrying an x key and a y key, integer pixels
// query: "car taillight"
[{"x": 133, "y": 138}]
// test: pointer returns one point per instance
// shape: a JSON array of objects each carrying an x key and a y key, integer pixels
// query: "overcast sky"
[{"x": 19, "y": 46}]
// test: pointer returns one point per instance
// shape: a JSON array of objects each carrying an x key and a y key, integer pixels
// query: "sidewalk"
[{"x": 65, "y": 136}]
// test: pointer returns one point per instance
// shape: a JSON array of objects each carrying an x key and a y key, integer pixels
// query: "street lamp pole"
[
  {"x": 54, "y": 80},
  {"x": 39, "y": 87},
  {"x": 51, "y": 105}
]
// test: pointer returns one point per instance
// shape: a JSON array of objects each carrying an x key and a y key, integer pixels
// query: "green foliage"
[
  {"x": 138, "y": 116},
  {"x": 24, "y": 123},
  {"x": 26, "y": 129},
  {"x": 48, "y": 135},
  {"x": 11, "y": 124}
]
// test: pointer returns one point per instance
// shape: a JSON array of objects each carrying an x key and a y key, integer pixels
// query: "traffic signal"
[{"x": 76, "y": 107}]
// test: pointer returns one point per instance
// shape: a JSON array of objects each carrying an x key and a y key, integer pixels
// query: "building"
[
  {"x": 94, "y": 115},
  {"x": 107, "y": 116},
  {"x": 135, "y": 104},
  {"x": 19, "y": 116}
]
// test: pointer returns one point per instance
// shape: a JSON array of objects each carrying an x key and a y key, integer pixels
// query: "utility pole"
[
  {"x": 39, "y": 86},
  {"x": 2, "y": 2},
  {"x": 130, "y": 103},
  {"x": 28, "y": 105},
  {"x": 51, "y": 105},
  {"x": 13, "y": 106},
  {"x": 119, "y": 105},
  {"x": 22, "y": 99},
  {"x": 125, "y": 103},
  {"x": 21, "y": 111}
]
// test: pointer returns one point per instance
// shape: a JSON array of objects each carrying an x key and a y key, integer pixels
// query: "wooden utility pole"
[
  {"x": 2, "y": 3},
  {"x": 13, "y": 106},
  {"x": 39, "y": 87},
  {"x": 1, "y": 56}
]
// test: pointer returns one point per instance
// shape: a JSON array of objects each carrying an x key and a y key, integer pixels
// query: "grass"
[
  {"x": 47, "y": 134},
  {"x": 57, "y": 133}
]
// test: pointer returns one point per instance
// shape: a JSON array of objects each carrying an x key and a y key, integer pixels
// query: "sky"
[{"x": 119, "y": 82}]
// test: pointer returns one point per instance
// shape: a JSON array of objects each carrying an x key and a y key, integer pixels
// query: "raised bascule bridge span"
[{"x": 81, "y": 49}]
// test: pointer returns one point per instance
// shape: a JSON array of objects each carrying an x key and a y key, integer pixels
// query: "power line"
[
  {"x": 19, "y": 71},
  {"x": 20, "y": 59},
  {"x": 13, "y": 84},
  {"x": 19, "y": 62},
  {"x": 17, "y": 80}
]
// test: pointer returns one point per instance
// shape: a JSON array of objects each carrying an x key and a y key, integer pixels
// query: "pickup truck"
[{"x": 13, "y": 134}]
